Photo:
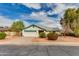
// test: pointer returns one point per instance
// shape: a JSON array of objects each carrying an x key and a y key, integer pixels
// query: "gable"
[{"x": 33, "y": 28}]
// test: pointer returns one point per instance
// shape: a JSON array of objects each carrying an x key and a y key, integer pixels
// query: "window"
[{"x": 29, "y": 30}]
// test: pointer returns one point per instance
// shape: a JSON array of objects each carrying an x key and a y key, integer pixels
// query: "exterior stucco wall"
[
  {"x": 10, "y": 33},
  {"x": 31, "y": 34}
]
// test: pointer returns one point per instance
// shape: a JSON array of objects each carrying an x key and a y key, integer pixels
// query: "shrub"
[
  {"x": 42, "y": 35},
  {"x": 52, "y": 36},
  {"x": 76, "y": 35},
  {"x": 2, "y": 35},
  {"x": 76, "y": 31},
  {"x": 70, "y": 34}
]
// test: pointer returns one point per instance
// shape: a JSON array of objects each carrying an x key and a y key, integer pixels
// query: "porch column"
[{"x": 37, "y": 33}]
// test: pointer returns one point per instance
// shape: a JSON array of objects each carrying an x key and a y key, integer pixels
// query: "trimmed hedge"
[
  {"x": 42, "y": 35},
  {"x": 2, "y": 35},
  {"x": 52, "y": 36}
]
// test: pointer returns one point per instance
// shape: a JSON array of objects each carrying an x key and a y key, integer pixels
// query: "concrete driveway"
[
  {"x": 17, "y": 41},
  {"x": 38, "y": 50}
]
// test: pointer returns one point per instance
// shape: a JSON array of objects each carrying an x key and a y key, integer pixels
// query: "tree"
[
  {"x": 71, "y": 20},
  {"x": 76, "y": 24},
  {"x": 69, "y": 16},
  {"x": 17, "y": 26}
]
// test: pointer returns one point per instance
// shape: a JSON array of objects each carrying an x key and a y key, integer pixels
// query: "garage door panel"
[{"x": 30, "y": 34}]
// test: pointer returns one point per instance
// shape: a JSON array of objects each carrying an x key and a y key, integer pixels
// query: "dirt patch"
[
  {"x": 8, "y": 38},
  {"x": 60, "y": 39}
]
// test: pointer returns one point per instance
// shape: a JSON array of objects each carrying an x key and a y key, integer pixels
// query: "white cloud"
[
  {"x": 5, "y": 21},
  {"x": 41, "y": 13},
  {"x": 32, "y": 5},
  {"x": 8, "y": 22},
  {"x": 45, "y": 20},
  {"x": 42, "y": 16},
  {"x": 26, "y": 23},
  {"x": 60, "y": 8}
]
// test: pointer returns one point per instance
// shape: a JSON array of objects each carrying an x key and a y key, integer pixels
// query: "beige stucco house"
[
  {"x": 30, "y": 31},
  {"x": 34, "y": 30}
]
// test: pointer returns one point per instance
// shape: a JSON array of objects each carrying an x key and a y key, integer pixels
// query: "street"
[{"x": 38, "y": 50}]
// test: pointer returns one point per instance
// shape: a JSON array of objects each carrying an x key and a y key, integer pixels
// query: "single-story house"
[
  {"x": 7, "y": 31},
  {"x": 34, "y": 30},
  {"x": 3, "y": 29}
]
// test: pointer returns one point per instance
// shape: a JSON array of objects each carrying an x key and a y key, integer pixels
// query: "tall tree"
[
  {"x": 71, "y": 20},
  {"x": 69, "y": 16},
  {"x": 76, "y": 23},
  {"x": 17, "y": 26},
  {"x": 67, "y": 20}
]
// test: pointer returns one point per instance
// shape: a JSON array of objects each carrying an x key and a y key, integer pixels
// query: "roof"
[
  {"x": 37, "y": 27},
  {"x": 4, "y": 28},
  {"x": 44, "y": 28}
]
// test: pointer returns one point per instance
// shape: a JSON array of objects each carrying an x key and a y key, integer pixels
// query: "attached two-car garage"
[{"x": 30, "y": 33}]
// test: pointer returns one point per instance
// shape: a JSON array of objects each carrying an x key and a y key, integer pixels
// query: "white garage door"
[{"x": 29, "y": 33}]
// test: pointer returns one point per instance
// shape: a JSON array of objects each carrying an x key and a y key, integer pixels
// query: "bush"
[
  {"x": 76, "y": 31},
  {"x": 76, "y": 35},
  {"x": 52, "y": 36},
  {"x": 2, "y": 35},
  {"x": 42, "y": 35},
  {"x": 70, "y": 34}
]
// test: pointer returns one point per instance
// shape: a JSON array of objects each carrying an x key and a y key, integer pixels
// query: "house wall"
[
  {"x": 10, "y": 33},
  {"x": 31, "y": 34}
]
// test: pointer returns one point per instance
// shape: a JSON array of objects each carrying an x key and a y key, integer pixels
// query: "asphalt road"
[{"x": 37, "y": 50}]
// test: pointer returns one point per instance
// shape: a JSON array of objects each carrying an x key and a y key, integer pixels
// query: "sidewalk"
[{"x": 63, "y": 41}]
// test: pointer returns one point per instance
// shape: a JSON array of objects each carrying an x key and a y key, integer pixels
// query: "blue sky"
[{"x": 30, "y": 13}]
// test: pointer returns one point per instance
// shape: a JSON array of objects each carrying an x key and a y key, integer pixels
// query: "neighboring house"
[
  {"x": 7, "y": 31},
  {"x": 4, "y": 29},
  {"x": 34, "y": 30}
]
